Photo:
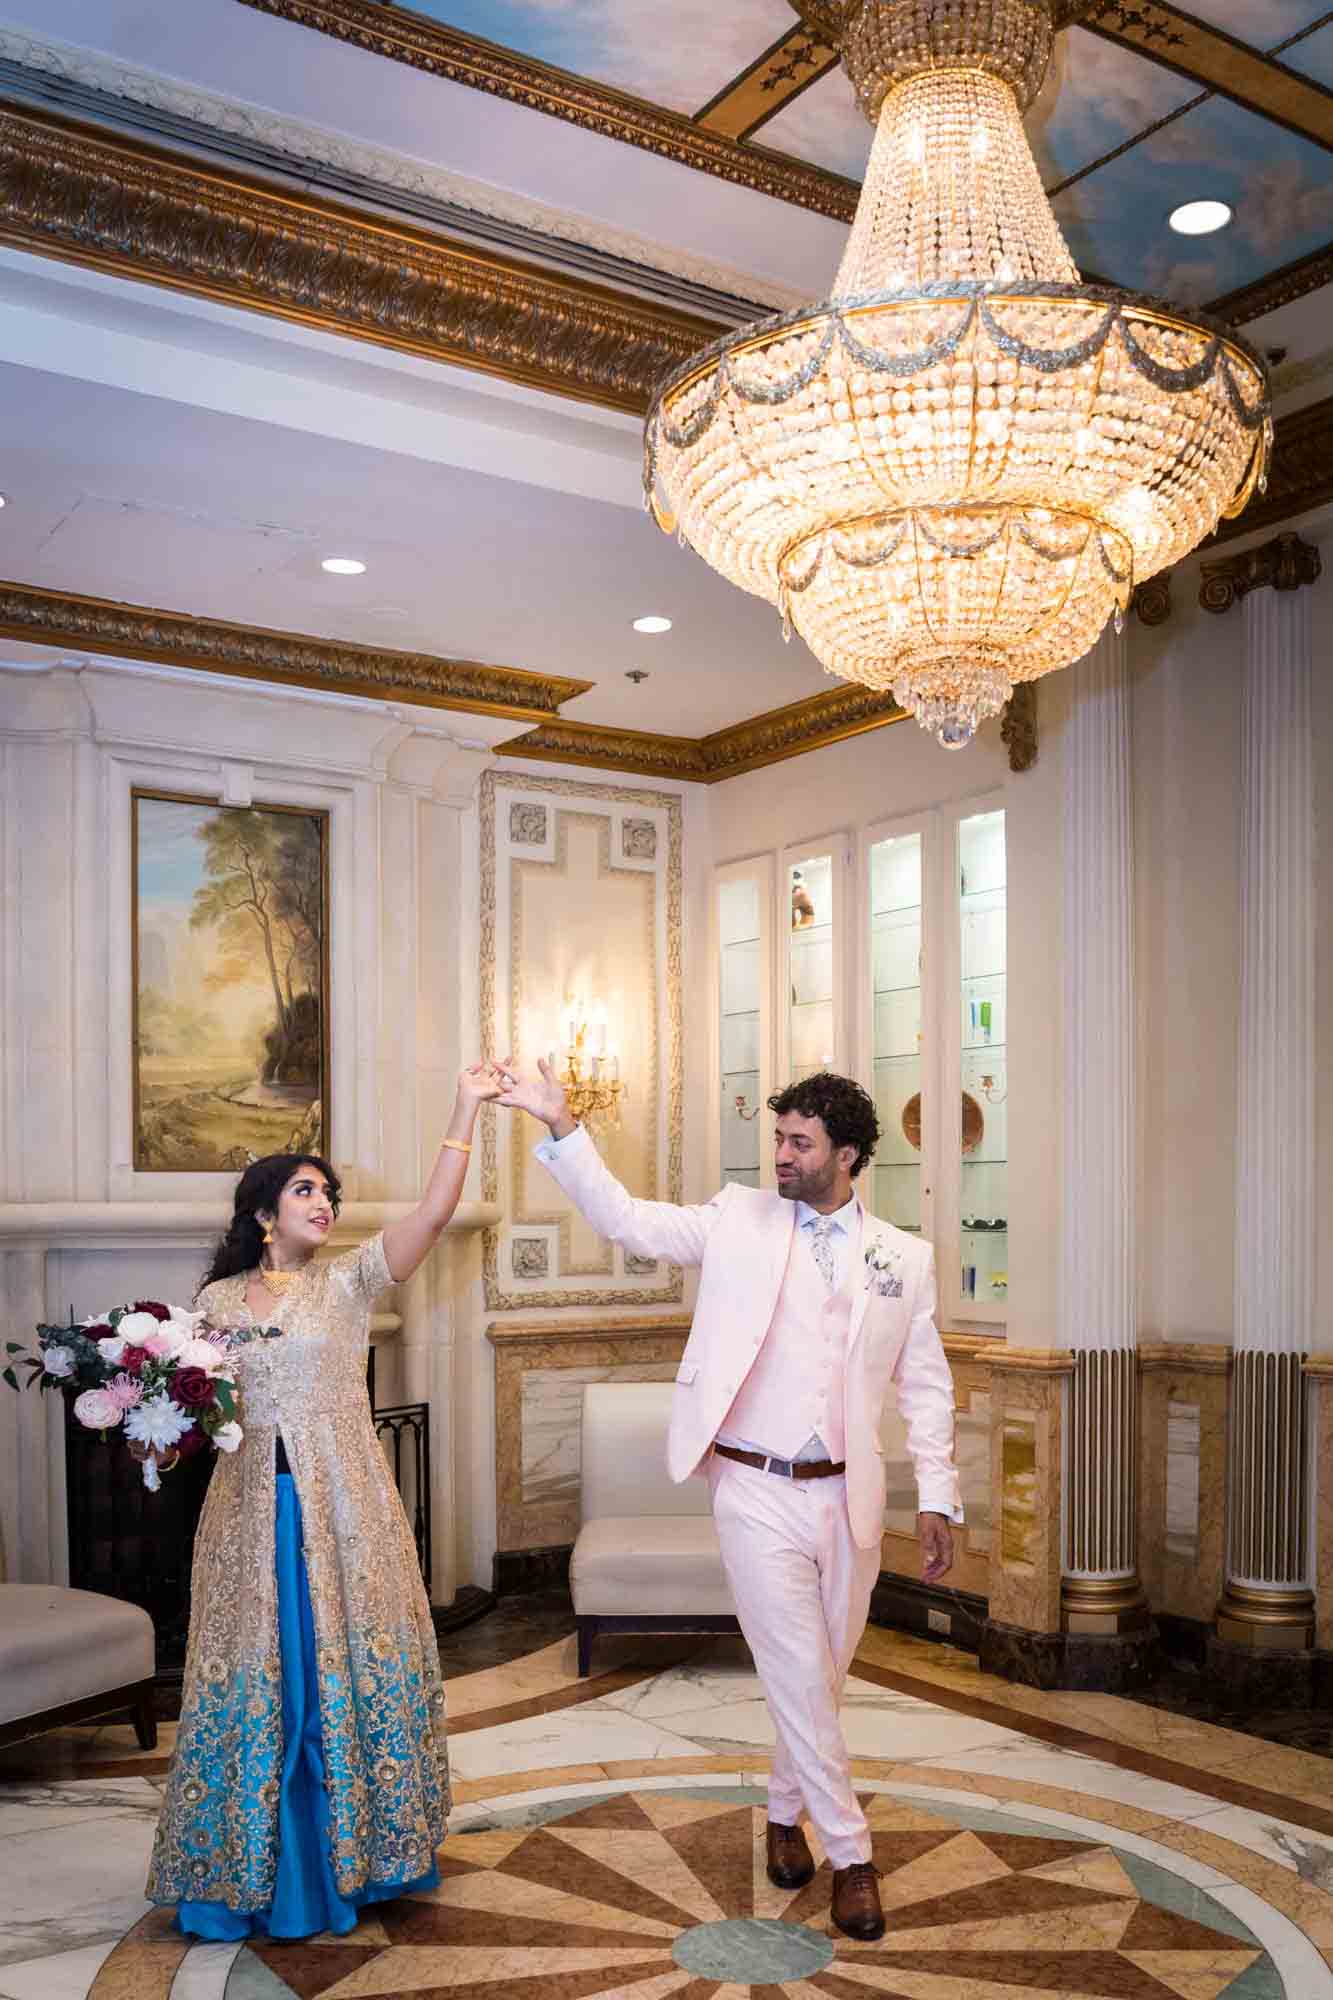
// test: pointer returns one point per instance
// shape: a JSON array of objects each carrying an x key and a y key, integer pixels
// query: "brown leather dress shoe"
[
  {"x": 790, "y": 1863},
  {"x": 856, "y": 1906}
]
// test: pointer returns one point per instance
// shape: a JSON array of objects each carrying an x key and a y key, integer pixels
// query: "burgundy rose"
[
  {"x": 191, "y": 1388},
  {"x": 153, "y": 1306},
  {"x": 193, "y": 1441},
  {"x": 133, "y": 1359},
  {"x": 99, "y": 1332}
]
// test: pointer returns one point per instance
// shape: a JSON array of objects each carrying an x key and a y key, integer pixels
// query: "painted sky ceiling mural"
[{"x": 1146, "y": 106}]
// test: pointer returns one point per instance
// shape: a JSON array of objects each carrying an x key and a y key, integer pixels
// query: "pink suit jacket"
[{"x": 742, "y": 1239}]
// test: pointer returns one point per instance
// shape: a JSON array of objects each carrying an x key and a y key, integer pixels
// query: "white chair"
[
  {"x": 647, "y": 1556},
  {"x": 73, "y": 1656}
]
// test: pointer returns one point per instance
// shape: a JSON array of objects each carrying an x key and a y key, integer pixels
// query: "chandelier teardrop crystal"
[{"x": 949, "y": 475}]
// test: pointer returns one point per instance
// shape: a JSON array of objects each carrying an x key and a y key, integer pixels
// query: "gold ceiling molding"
[
  {"x": 292, "y": 659},
  {"x": 90, "y": 196},
  {"x": 779, "y": 733},
  {"x": 1209, "y": 56},
  {"x": 795, "y": 61},
  {"x": 1279, "y": 288},
  {"x": 429, "y": 45}
]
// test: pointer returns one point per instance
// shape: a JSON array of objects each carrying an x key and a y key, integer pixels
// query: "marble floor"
[{"x": 608, "y": 1840}]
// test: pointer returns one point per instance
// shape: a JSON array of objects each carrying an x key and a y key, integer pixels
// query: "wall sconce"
[
  {"x": 742, "y": 1107},
  {"x": 588, "y": 1069},
  {"x": 992, "y": 1090}
]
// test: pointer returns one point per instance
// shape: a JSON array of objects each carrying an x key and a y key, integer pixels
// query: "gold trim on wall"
[
  {"x": 672, "y": 878},
  {"x": 292, "y": 659},
  {"x": 440, "y": 50},
  {"x": 96, "y": 198},
  {"x": 819, "y": 719}
]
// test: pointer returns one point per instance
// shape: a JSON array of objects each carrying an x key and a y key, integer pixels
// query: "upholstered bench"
[
  {"x": 647, "y": 1557},
  {"x": 72, "y": 1656}
]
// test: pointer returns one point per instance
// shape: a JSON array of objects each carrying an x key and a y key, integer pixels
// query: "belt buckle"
[{"x": 781, "y": 1466}]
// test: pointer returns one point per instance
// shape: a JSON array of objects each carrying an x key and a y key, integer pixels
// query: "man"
[{"x": 808, "y": 1307}]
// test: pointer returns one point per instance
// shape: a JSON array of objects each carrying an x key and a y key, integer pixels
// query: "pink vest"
[{"x": 797, "y": 1384}]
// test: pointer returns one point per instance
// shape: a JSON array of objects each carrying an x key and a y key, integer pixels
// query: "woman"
[{"x": 311, "y": 1772}]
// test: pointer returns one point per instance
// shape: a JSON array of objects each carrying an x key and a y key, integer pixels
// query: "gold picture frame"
[{"x": 229, "y": 939}]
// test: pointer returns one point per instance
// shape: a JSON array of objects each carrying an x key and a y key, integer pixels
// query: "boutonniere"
[{"x": 884, "y": 1270}]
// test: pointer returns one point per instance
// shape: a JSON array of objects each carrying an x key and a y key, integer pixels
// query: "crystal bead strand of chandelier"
[
  {"x": 1100, "y": 1593},
  {"x": 951, "y": 191}
]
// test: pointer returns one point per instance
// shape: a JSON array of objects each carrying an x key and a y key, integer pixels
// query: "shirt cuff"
[
  {"x": 549, "y": 1148},
  {"x": 936, "y": 1503}
]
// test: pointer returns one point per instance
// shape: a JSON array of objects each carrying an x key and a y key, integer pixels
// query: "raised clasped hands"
[
  {"x": 536, "y": 1091},
  {"x": 480, "y": 1083}
]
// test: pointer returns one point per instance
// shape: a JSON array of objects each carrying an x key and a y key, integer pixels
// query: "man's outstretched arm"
[{"x": 658, "y": 1229}]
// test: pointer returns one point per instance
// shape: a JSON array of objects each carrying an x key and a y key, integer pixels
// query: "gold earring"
[{"x": 268, "y": 1232}]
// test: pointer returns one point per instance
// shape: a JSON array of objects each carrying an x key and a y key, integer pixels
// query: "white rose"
[
  {"x": 59, "y": 1361},
  {"x": 132, "y": 1329},
  {"x": 227, "y": 1437},
  {"x": 187, "y": 1320},
  {"x": 172, "y": 1340},
  {"x": 202, "y": 1354},
  {"x": 112, "y": 1349}
]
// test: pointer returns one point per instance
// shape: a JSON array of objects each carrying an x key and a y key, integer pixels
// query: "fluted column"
[
  {"x": 1267, "y": 1600},
  {"x": 1100, "y": 1591}
]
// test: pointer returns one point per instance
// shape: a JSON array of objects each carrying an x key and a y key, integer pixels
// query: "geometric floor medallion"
[{"x": 652, "y": 1893}]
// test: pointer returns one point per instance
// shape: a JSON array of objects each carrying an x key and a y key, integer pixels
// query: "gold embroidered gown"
[{"x": 380, "y": 1695}]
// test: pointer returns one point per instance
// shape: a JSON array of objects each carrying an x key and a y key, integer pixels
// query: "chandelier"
[{"x": 949, "y": 475}]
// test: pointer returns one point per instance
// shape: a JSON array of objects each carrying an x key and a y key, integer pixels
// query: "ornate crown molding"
[
  {"x": 93, "y": 197},
  {"x": 443, "y": 51},
  {"x": 1018, "y": 726},
  {"x": 1285, "y": 563},
  {"x": 706, "y": 760},
  {"x": 131, "y": 631},
  {"x": 1280, "y": 288}
]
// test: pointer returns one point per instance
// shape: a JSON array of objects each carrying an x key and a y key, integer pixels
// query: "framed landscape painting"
[{"x": 230, "y": 931}]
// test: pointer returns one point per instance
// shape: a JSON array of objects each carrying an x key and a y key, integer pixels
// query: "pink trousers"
[{"x": 802, "y": 1589}]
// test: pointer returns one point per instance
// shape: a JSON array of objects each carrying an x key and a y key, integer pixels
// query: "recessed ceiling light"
[
  {"x": 1199, "y": 218},
  {"x": 343, "y": 566},
  {"x": 652, "y": 624}
]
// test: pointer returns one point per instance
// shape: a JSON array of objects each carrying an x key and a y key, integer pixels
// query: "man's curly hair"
[{"x": 848, "y": 1112}]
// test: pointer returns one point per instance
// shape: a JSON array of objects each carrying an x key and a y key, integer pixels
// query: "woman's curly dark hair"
[
  {"x": 847, "y": 1111},
  {"x": 259, "y": 1188}
]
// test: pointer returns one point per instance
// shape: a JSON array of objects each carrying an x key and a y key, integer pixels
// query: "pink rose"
[
  {"x": 162, "y": 1346},
  {"x": 126, "y": 1390},
  {"x": 98, "y": 1409}
]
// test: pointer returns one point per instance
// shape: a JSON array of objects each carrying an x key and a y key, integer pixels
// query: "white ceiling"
[
  {"x": 171, "y": 452},
  {"x": 178, "y": 454}
]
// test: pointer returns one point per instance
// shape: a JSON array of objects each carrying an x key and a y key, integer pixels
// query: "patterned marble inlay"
[
  {"x": 1182, "y": 1480},
  {"x": 972, "y": 1457},
  {"x": 552, "y": 1409},
  {"x": 648, "y": 1890}
]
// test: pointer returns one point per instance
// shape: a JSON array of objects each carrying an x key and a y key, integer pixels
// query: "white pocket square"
[{"x": 687, "y": 1372}]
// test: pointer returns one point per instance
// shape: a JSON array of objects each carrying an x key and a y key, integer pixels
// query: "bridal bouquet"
[{"x": 155, "y": 1373}]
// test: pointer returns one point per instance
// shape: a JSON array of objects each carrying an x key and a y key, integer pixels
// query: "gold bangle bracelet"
[{"x": 458, "y": 1145}]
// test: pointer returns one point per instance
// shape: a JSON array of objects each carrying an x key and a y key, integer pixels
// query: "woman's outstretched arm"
[{"x": 406, "y": 1243}]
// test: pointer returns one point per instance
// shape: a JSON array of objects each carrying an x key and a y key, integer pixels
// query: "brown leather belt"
[{"x": 786, "y": 1468}]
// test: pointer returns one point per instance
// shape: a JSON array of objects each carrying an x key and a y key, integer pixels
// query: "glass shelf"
[{"x": 983, "y": 1183}]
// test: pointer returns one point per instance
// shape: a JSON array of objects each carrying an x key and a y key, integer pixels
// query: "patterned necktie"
[{"x": 821, "y": 1242}]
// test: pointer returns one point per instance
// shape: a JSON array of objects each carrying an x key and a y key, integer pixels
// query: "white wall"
[{"x": 400, "y": 785}]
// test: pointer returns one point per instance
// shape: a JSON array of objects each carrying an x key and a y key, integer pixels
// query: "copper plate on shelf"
[{"x": 973, "y": 1122}]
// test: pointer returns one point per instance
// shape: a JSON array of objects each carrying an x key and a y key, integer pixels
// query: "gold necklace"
[{"x": 280, "y": 1282}]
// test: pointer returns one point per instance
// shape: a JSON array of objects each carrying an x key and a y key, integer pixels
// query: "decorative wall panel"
[{"x": 580, "y": 899}]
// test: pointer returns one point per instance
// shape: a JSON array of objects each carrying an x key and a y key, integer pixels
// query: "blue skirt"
[{"x": 306, "y": 1898}]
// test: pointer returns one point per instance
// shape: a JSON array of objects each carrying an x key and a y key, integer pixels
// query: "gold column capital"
[{"x": 1285, "y": 563}]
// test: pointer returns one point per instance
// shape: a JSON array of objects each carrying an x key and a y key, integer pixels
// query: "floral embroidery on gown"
[{"x": 381, "y": 1711}]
